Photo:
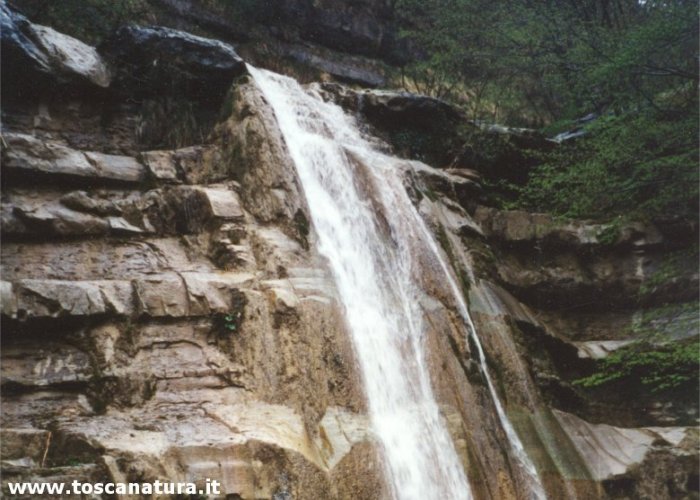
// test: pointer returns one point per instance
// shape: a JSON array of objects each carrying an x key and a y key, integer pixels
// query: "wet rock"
[
  {"x": 75, "y": 214},
  {"x": 416, "y": 126},
  {"x": 37, "y": 57},
  {"x": 255, "y": 155},
  {"x": 462, "y": 189},
  {"x": 30, "y": 154},
  {"x": 150, "y": 60},
  {"x": 124, "y": 168},
  {"x": 58, "y": 220}
]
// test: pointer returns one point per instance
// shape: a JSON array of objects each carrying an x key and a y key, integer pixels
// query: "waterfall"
[{"x": 373, "y": 237}]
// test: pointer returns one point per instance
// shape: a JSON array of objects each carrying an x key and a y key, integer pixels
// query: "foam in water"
[{"x": 346, "y": 183}]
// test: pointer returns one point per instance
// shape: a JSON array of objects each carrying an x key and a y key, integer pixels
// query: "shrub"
[{"x": 661, "y": 367}]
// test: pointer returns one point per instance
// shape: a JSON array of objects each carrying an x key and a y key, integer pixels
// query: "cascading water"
[{"x": 372, "y": 258}]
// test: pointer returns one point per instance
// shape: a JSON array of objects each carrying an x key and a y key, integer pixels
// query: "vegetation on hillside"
[
  {"x": 631, "y": 68},
  {"x": 664, "y": 357},
  {"x": 631, "y": 64}
]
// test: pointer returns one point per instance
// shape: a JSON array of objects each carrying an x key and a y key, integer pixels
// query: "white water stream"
[{"x": 371, "y": 234}]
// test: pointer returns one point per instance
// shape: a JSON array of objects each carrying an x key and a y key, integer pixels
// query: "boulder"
[
  {"x": 153, "y": 60},
  {"x": 38, "y": 57}
]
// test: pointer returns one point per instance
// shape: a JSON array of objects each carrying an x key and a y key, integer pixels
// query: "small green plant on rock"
[
  {"x": 227, "y": 323},
  {"x": 231, "y": 321},
  {"x": 610, "y": 233}
]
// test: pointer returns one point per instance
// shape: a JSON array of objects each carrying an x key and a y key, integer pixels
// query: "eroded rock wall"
[
  {"x": 547, "y": 298},
  {"x": 163, "y": 314}
]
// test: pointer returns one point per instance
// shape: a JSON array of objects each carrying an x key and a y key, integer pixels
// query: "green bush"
[
  {"x": 658, "y": 367},
  {"x": 662, "y": 358},
  {"x": 641, "y": 164}
]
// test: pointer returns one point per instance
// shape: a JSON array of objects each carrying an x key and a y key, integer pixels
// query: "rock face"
[
  {"x": 359, "y": 27},
  {"x": 350, "y": 41},
  {"x": 163, "y": 321},
  {"x": 415, "y": 126},
  {"x": 151, "y": 58},
  {"x": 166, "y": 316}
]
